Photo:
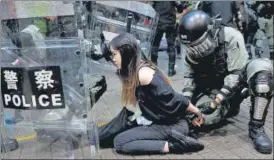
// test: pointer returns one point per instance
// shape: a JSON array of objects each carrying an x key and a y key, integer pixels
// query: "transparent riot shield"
[
  {"x": 46, "y": 87},
  {"x": 109, "y": 18}
]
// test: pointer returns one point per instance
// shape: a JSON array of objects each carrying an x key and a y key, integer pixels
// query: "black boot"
[
  {"x": 262, "y": 142},
  {"x": 261, "y": 86},
  {"x": 171, "y": 69},
  {"x": 180, "y": 143}
]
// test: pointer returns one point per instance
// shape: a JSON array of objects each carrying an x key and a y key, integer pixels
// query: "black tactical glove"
[
  {"x": 97, "y": 90},
  {"x": 206, "y": 107}
]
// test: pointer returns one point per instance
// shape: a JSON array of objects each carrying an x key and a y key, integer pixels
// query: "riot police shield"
[
  {"x": 45, "y": 82},
  {"x": 113, "y": 17}
]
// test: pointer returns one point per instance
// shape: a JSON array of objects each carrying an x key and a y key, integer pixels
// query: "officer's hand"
[
  {"x": 98, "y": 89},
  {"x": 208, "y": 107},
  {"x": 96, "y": 53}
]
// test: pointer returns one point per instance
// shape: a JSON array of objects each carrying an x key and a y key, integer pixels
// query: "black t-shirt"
[{"x": 159, "y": 102}]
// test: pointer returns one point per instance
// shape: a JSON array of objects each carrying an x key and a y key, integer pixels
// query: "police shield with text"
[
  {"x": 45, "y": 79},
  {"x": 219, "y": 75}
]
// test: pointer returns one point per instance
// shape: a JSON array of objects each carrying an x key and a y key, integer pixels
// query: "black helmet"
[
  {"x": 195, "y": 33},
  {"x": 193, "y": 25}
]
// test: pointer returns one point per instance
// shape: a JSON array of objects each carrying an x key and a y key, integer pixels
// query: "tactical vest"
[{"x": 214, "y": 65}]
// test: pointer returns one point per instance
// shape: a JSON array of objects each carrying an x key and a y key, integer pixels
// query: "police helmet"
[{"x": 195, "y": 33}]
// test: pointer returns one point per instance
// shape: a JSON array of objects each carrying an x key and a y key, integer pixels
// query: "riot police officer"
[
  {"x": 218, "y": 73},
  {"x": 166, "y": 24},
  {"x": 264, "y": 11},
  {"x": 250, "y": 28}
]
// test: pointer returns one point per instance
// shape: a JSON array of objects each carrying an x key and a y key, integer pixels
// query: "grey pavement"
[{"x": 230, "y": 141}]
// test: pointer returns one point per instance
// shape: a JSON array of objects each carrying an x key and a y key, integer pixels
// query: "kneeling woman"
[{"x": 156, "y": 121}]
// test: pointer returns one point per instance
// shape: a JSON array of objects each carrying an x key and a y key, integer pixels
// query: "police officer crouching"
[{"x": 218, "y": 73}]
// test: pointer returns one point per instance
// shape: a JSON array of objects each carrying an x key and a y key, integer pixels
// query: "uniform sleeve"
[
  {"x": 167, "y": 100},
  {"x": 237, "y": 58},
  {"x": 236, "y": 51},
  {"x": 188, "y": 81}
]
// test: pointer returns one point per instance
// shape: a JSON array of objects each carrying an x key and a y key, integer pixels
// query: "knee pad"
[{"x": 261, "y": 84}]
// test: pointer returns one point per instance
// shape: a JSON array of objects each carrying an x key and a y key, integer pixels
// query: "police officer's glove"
[
  {"x": 208, "y": 107},
  {"x": 98, "y": 89}
]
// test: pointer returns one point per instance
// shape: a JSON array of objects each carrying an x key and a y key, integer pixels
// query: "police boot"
[
  {"x": 262, "y": 142},
  {"x": 261, "y": 86},
  {"x": 180, "y": 143},
  {"x": 171, "y": 69}
]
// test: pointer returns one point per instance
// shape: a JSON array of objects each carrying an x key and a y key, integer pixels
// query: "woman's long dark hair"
[{"x": 131, "y": 60}]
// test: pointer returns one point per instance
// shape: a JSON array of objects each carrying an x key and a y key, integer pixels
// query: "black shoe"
[
  {"x": 262, "y": 142},
  {"x": 171, "y": 70},
  {"x": 179, "y": 143}
]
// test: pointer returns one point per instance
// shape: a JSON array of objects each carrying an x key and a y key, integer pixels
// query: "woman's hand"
[{"x": 198, "y": 119}]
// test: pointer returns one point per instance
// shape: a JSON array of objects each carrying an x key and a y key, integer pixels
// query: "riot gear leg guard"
[{"x": 261, "y": 88}]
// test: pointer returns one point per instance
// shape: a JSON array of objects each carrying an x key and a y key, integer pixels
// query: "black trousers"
[
  {"x": 170, "y": 31},
  {"x": 147, "y": 139},
  {"x": 128, "y": 137}
]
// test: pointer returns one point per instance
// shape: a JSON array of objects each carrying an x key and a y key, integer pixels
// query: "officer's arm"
[
  {"x": 189, "y": 84},
  {"x": 236, "y": 60}
]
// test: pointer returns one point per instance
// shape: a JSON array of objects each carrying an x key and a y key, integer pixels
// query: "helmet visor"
[{"x": 201, "y": 47}]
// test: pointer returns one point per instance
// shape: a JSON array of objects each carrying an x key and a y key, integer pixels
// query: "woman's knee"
[{"x": 118, "y": 143}]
